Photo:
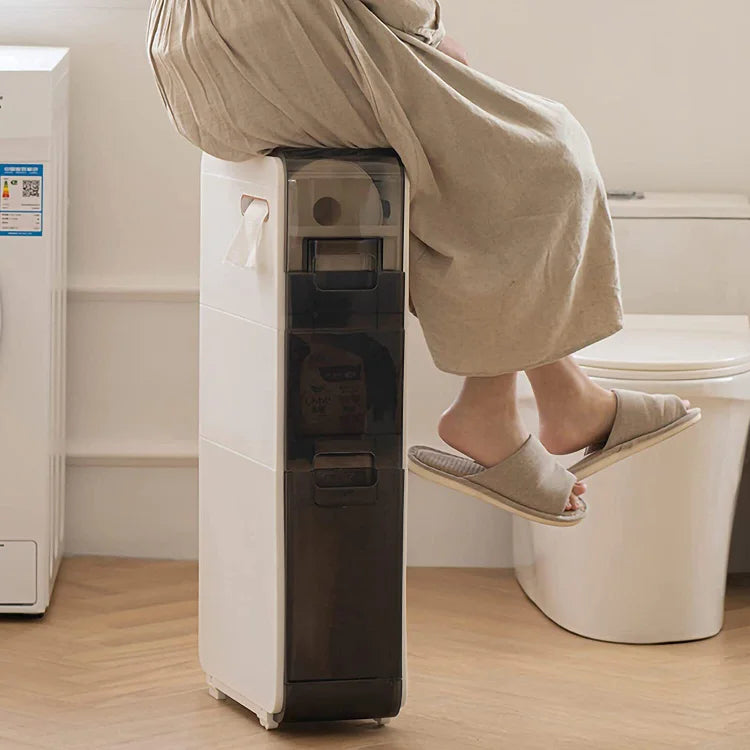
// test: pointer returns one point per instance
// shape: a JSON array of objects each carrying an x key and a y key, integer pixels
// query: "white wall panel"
[
  {"x": 659, "y": 86},
  {"x": 132, "y": 372},
  {"x": 133, "y": 512}
]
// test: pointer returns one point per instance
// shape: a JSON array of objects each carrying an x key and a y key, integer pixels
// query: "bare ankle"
[{"x": 577, "y": 421}]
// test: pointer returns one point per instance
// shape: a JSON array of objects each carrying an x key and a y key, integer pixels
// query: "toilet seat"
[{"x": 671, "y": 347}]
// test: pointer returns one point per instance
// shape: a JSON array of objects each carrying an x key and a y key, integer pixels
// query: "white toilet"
[{"x": 649, "y": 563}]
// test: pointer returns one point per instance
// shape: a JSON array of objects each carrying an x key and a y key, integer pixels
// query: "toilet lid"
[{"x": 672, "y": 347}]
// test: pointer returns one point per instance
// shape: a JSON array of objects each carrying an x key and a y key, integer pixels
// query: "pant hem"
[{"x": 541, "y": 363}]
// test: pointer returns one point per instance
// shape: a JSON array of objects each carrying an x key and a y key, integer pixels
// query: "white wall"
[
  {"x": 659, "y": 85},
  {"x": 661, "y": 88},
  {"x": 133, "y": 278}
]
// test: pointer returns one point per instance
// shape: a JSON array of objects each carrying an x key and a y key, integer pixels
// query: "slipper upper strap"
[
  {"x": 531, "y": 477},
  {"x": 639, "y": 414}
]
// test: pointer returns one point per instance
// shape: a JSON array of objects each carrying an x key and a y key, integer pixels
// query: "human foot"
[
  {"x": 489, "y": 434},
  {"x": 642, "y": 421},
  {"x": 576, "y": 413}
]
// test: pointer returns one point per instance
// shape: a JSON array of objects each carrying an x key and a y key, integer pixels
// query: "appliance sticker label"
[{"x": 21, "y": 200}]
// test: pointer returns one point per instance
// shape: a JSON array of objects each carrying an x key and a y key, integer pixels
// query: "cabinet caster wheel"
[
  {"x": 267, "y": 721},
  {"x": 215, "y": 693},
  {"x": 382, "y": 722}
]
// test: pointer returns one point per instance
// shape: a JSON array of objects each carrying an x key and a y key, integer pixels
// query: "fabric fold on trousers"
[
  {"x": 421, "y": 18},
  {"x": 513, "y": 261}
]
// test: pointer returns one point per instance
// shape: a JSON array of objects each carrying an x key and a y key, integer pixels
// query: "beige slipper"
[
  {"x": 530, "y": 483},
  {"x": 641, "y": 421}
]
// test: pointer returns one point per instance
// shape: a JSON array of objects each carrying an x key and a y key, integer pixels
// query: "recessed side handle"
[{"x": 345, "y": 479}]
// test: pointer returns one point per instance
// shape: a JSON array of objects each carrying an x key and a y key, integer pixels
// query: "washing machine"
[{"x": 33, "y": 209}]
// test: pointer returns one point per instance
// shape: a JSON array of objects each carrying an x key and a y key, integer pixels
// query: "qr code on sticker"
[{"x": 31, "y": 188}]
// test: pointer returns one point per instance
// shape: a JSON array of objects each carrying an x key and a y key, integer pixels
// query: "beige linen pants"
[{"x": 513, "y": 262}]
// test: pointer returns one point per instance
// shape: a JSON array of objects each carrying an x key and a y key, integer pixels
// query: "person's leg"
[
  {"x": 484, "y": 423},
  {"x": 574, "y": 412}
]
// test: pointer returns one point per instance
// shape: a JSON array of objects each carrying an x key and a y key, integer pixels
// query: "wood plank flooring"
[{"x": 114, "y": 665}]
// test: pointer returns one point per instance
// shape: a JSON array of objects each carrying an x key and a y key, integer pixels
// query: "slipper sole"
[
  {"x": 595, "y": 463},
  {"x": 493, "y": 498}
]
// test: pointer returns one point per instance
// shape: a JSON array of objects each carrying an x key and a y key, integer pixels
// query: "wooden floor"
[{"x": 114, "y": 665}]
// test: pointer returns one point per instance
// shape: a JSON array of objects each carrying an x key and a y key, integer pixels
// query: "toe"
[
  {"x": 686, "y": 403},
  {"x": 573, "y": 503}
]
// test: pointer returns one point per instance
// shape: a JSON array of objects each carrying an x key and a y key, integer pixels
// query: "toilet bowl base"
[{"x": 649, "y": 562}]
